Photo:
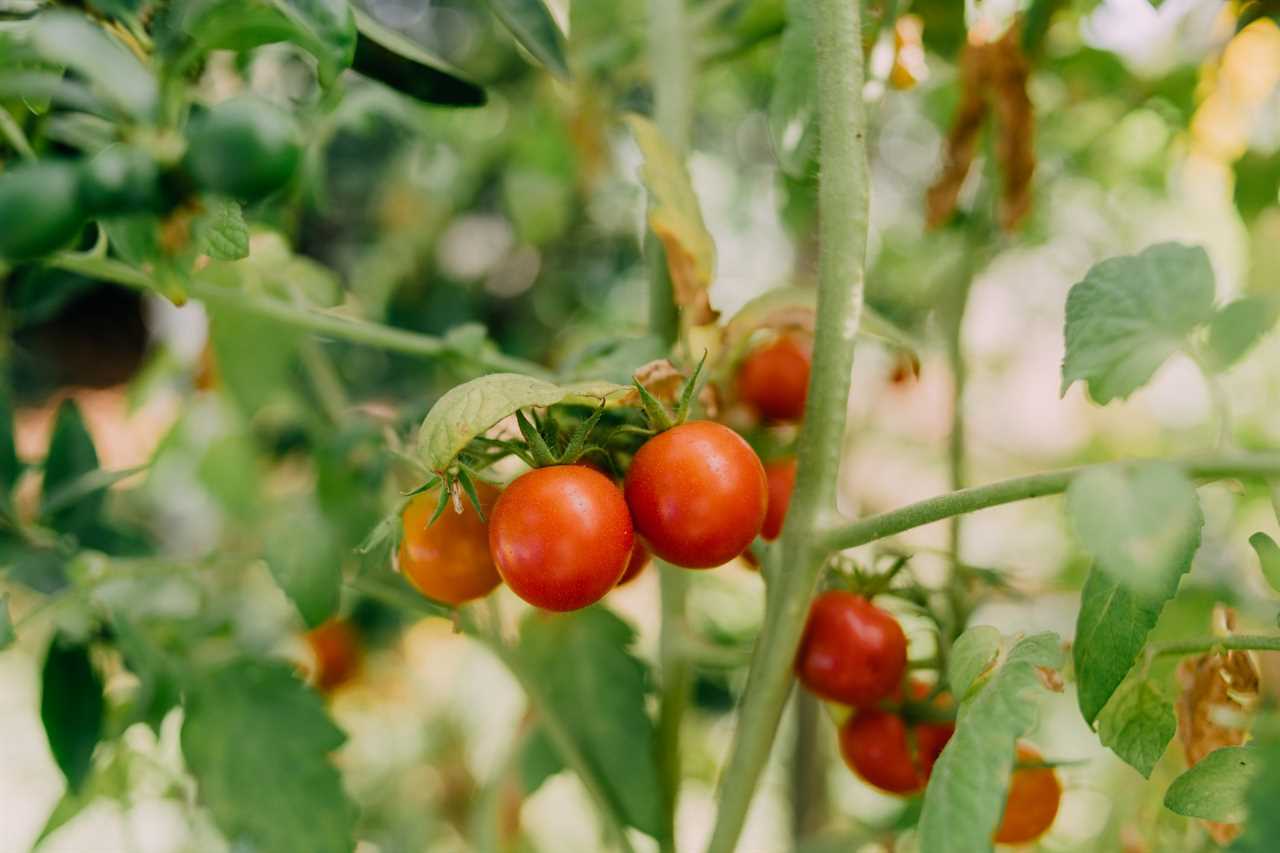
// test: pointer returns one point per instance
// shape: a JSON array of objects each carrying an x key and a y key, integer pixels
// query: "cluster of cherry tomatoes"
[
  {"x": 855, "y": 654},
  {"x": 562, "y": 536}
]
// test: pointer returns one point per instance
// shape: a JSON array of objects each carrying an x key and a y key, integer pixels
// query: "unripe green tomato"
[
  {"x": 39, "y": 209},
  {"x": 244, "y": 147},
  {"x": 120, "y": 179}
]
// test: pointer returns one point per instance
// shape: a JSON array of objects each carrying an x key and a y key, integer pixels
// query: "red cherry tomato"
[
  {"x": 638, "y": 563},
  {"x": 774, "y": 379},
  {"x": 448, "y": 560},
  {"x": 781, "y": 475},
  {"x": 875, "y": 745},
  {"x": 852, "y": 651},
  {"x": 1032, "y": 803},
  {"x": 335, "y": 652},
  {"x": 698, "y": 494},
  {"x": 561, "y": 536}
]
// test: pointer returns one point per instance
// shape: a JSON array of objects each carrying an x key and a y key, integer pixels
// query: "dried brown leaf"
[
  {"x": 1219, "y": 693},
  {"x": 962, "y": 139}
]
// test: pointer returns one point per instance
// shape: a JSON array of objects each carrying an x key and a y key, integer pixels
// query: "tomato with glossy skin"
[
  {"x": 774, "y": 379},
  {"x": 852, "y": 651},
  {"x": 639, "y": 561},
  {"x": 781, "y": 476},
  {"x": 876, "y": 745},
  {"x": 698, "y": 494},
  {"x": 561, "y": 536},
  {"x": 39, "y": 209},
  {"x": 1032, "y": 802},
  {"x": 448, "y": 560},
  {"x": 244, "y": 147},
  {"x": 335, "y": 652}
]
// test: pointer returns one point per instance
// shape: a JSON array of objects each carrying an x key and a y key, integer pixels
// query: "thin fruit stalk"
[{"x": 842, "y": 205}]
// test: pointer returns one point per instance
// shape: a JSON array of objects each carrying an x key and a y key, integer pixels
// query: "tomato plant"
[{"x": 354, "y": 353}]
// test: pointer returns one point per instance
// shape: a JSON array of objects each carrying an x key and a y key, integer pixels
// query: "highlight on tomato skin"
[
  {"x": 774, "y": 379},
  {"x": 1032, "y": 802},
  {"x": 852, "y": 651},
  {"x": 698, "y": 494},
  {"x": 781, "y": 477},
  {"x": 336, "y": 654},
  {"x": 561, "y": 536},
  {"x": 448, "y": 560}
]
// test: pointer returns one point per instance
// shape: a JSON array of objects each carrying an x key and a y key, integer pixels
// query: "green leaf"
[
  {"x": 221, "y": 232},
  {"x": 1216, "y": 786},
  {"x": 467, "y": 410},
  {"x": 531, "y": 24},
  {"x": 539, "y": 761},
  {"x": 966, "y": 793},
  {"x": 1263, "y": 825},
  {"x": 305, "y": 558},
  {"x": 71, "y": 456},
  {"x": 1268, "y": 557},
  {"x": 257, "y": 741},
  {"x": 1131, "y": 313},
  {"x": 1111, "y": 630},
  {"x": 158, "y": 689},
  {"x": 793, "y": 114},
  {"x": 71, "y": 40},
  {"x": 394, "y": 60},
  {"x": 7, "y": 632},
  {"x": 71, "y": 708},
  {"x": 676, "y": 219},
  {"x": 970, "y": 657},
  {"x": 1141, "y": 524},
  {"x": 324, "y": 28},
  {"x": 1236, "y": 327},
  {"x": 600, "y": 698},
  {"x": 1138, "y": 723}
]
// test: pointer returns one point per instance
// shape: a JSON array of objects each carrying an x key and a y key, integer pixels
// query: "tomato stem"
[
  {"x": 1204, "y": 645},
  {"x": 842, "y": 223}
]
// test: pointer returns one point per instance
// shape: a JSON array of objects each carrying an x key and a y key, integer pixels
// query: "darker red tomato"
[
  {"x": 698, "y": 494},
  {"x": 335, "y": 653},
  {"x": 781, "y": 476},
  {"x": 879, "y": 748},
  {"x": 852, "y": 651},
  {"x": 561, "y": 536},
  {"x": 774, "y": 379},
  {"x": 1032, "y": 803},
  {"x": 638, "y": 563},
  {"x": 448, "y": 560}
]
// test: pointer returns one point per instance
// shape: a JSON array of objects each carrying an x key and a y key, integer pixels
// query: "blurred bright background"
[{"x": 1151, "y": 123}]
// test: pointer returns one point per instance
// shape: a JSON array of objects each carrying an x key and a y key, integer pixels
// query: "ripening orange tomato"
[
  {"x": 1032, "y": 803},
  {"x": 774, "y": 379},
  {"x": 449, "y": 560},
  {"x": 335, "y": 652}
]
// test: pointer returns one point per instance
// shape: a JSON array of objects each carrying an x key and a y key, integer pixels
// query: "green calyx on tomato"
[
  {"x": 660, "y": 418},
  {"x": 244, "y": 147},
  {"x": 40, "y": 210}
]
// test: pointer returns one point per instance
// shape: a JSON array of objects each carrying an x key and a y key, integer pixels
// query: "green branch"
[
  {"x": 1204, "y": 645},
  {"x": 309, "y": 319},
  {"x": 842, "y": 215},
  {"x": 1261, "y": 465}
]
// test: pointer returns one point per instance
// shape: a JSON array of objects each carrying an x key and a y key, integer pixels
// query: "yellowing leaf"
[{"x": 676, "y": 219}]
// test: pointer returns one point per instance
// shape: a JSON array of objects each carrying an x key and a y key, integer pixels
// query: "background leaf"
[
  {"x": 71, "y": 456},
  {"x": 972, "y": 655},
  {"x": 1262, "y": 827},
  {"x": 71, "y": 708},
  {"x": 221, "y": 232},
  {"x": 394, "y": 60},
  {"x": 1131, "y": 313},
  {"x": 793, "y": 115},
  {"x": 7, "y": 633},
  {"x": 1214, "y": 789},
  {"x": 1236, "y": 327},
  {"x": 73, "y": 41},
  {"x": 1137, "y": 723},
  {"x": 966, "y": 791},
  {"x": 530, "y": 22},
  {"x": 601, "y": 699},
  {"x": 306, "y": 560},
  {"x": 257, "y": 740},
  {"x": 1268, "y": 557},
  {"x": 1141, "y": 524}
]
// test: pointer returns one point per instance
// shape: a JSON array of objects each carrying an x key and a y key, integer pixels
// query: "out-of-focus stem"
[
  {"x": 808, "y": 770},
  {"x": 842, "y": 211}
]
